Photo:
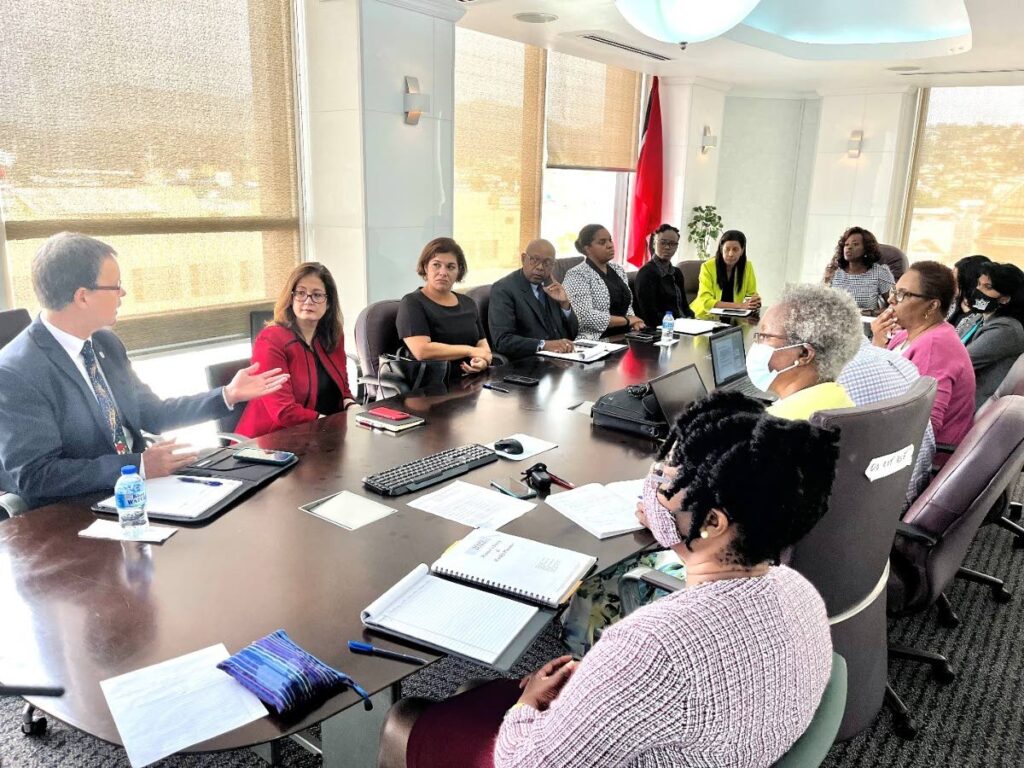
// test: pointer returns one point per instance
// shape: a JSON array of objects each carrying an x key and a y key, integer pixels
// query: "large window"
[
  {"x": 968, "y": 195},
  {"x": 165, "y": 129},
  {"x": 544, "y": 143}
]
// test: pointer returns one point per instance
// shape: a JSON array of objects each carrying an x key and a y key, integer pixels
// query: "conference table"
[{"x": 76, "y": 611}]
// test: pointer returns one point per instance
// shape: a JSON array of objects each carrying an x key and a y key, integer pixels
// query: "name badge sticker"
[{"x": 890, "y": 464}]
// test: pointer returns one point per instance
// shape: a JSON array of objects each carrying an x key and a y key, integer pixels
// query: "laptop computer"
[
  {"x": 674, "y": 391},
  {"x": 729, "y": 362}
]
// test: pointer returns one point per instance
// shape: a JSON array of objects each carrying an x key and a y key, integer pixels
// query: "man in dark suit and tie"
[
  {"x": 72, "y": 408},
  {"x": 529, "y": 312}
]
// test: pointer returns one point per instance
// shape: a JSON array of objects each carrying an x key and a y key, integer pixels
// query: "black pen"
[
  {"x": 496, "y": 388},
  {"x": 356, "y": 647}
]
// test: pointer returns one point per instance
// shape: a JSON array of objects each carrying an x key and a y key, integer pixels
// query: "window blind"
[
  {"x": 167, "y": 130},
  {"x": 593, "y": 114},
  {"x": 499, "y": 134}
]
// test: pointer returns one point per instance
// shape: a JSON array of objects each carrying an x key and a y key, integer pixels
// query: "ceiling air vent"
[
  {"x": 624, "y": 47},
  {"x": 964, "y": 72}
]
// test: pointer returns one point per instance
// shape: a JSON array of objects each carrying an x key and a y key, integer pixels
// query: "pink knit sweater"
[{"x": 727, "y": 673}]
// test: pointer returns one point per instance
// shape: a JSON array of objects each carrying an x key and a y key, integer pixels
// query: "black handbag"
[
  {"x": 415, "y": 374},
  {"x": 634, "y": 409}
]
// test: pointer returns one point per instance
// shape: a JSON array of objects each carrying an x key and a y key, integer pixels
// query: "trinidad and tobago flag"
[{"x": 645, "y": 213}]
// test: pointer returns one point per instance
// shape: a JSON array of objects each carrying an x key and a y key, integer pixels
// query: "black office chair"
[
  {"x": 481, "y": 294},
  {"x": 258, "y": 320},
  {"x": 563, "y": 265},
  {"x": 690, "y": 270},
  {"x": 631, "y": 282},
  {"x": 376, "y": 334},
  {"x": 13, "y": 322},
  {"x": 894, "y": 259},
  {"x": 220, "y": 375}
]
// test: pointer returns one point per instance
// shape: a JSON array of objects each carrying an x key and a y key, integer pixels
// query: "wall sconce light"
[
  {"x": 414, "y": 103},
  {"x": 707, "y": 141},
  {"x": 853, "y": 145}
]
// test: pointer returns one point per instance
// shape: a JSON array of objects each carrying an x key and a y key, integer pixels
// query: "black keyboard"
[
  {"x": 430, "y": 470},
  {"x": 746, "y": 386}
]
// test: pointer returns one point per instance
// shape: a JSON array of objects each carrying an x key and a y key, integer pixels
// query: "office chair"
[
  {"x": 258, "y": 320},
  {"x": 563, "y": 265},
  {"x": 481, "y": 294},
  {"x": 219, "y": 375},
  {"x": 690, "y": 270},
  {"x": 375, "y": 335},
  {"x": 940, "y": 525},
  {"x": 13, "y": 322},
  {"x": 852, "y": 579},
  {"x": 894, "y": 259}
]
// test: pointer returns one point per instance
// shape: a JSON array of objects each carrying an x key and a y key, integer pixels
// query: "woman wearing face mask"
[
  {"x": 670, "y": 684},
  {"x": 856, "y": 269},
  {"x": 598, "y": 289},
  {"x": 915, "y": 325},
  {"x": 659, "y": 285},
  {"x": 727, "y": 281},
  {"x": 966, "y": 272},
  {"x": 800, "y": 347},
  {"x": 996, "y": 340}
]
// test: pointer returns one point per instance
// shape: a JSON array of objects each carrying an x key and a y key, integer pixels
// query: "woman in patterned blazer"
[{"x": 598, "y": 290}]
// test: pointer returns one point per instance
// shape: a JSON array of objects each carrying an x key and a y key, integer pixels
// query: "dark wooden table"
[{"x": 77, "y": 611}]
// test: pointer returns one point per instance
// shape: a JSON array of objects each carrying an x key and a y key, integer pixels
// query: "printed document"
[
  {"x": 600, "y": 510},
  {"x": 472, "y": 505}
]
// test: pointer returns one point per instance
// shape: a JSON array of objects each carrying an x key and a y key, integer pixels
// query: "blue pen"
[
  {"x": 372, "y": 650},
  {"x": 496, "y": 388},
  {"x": 200, "y": 481}
]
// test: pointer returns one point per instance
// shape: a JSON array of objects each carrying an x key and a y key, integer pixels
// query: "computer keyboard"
[
  {"x": 746, "y": 387},
  {"x": 436, "y": 468}
]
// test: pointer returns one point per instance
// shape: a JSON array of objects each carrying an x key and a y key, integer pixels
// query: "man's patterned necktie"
[{"x": 104, "y": 398}]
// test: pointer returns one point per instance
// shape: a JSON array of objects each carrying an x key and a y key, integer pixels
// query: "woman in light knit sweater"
[{"x": 727, "y": 672}]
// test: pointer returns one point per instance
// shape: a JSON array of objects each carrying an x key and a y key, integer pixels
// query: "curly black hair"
[
  {"x": 872, "y": 253},
  {"x": 771, "y": 477}
]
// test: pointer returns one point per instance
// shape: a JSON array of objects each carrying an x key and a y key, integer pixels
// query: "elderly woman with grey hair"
[{"x": 801, "y": 345}]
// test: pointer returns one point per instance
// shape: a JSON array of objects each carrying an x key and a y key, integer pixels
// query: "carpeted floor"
[{"x": 978, "y": 720}]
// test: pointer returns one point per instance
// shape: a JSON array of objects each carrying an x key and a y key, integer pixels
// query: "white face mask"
[{"x": 758, "y": 360}]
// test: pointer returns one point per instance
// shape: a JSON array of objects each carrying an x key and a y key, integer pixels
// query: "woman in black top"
[
  {"x": 962, "y": 313},
  {"x": 659, "y": 285},
  {"x": 436, "y": 323}
]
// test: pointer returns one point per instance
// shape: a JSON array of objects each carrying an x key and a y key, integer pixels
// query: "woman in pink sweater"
[
  {"x": 726, "y": 672},
  {"x": 915, "y": 324}
]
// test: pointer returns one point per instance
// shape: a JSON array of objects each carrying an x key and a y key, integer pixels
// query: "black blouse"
[
  {"x": 328, "y": 396},
  {"x": 619, "y": 297}
]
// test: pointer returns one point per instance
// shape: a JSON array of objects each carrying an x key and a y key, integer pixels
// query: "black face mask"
[{"x": 982, "y": 302}]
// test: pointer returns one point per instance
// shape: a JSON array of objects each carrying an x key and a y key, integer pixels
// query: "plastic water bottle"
[
  {"x": 668, "y": 323},
  {"x": 130, "y": 500}
]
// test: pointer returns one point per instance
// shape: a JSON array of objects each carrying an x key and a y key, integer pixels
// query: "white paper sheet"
[
  {"x": 164, "y": 708},
  {"x": 348, "y": 510},
  {"x": 472, "y": 505},
  {"x": 111, "y": 529},
  {"x": 597, "y": 510},
  {"x": 176, "y": 496},
  {"x": 587, "y": 351},
  {"x": 531, "y": 447},
  {"x": 695, "y": 327}
]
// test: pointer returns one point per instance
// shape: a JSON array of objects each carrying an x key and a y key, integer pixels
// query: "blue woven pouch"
[{"x": 284, "y": 676}]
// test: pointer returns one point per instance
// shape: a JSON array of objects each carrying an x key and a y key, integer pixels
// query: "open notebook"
[
  {"x": 426, "y": 607},
  {"x": 587, "y": 351}
]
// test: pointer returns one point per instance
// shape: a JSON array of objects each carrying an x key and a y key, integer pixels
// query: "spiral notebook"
[{"x": 514, "y": 566}]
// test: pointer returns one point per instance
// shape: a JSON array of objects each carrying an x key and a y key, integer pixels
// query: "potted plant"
[{"x": 704, "y": 227}]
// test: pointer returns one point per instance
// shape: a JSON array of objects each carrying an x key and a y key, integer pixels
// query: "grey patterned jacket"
[{"x": 589, "y": 298}]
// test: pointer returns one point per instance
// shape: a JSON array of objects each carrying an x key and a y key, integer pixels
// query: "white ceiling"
[{"x": 996, "y": 25}]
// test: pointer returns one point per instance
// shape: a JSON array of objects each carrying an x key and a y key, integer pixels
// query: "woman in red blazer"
[{"x": 305, "y": 340}]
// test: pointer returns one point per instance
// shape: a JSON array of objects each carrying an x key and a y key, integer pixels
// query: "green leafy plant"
[{"x": 704, "y": 228}]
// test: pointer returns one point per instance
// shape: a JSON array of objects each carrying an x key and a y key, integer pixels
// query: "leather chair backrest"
[
  {"x": 894, "y": 259},
  {"x": 845, "y": 554},
  {"x": 563, "y": 265},
  {"x": 376, "y": 334},
  {"x": 1012, "y": 384},
  {"x": 257, "y": 322},
  {"x": 13, "y": 322},
  {"x": 631, "y": 282},
  {"x": 219, "y": 375},
  {"x": 987, "y": 461},
  {"x": 691, "y": 277},
  {"x": 481, "y": 294}
]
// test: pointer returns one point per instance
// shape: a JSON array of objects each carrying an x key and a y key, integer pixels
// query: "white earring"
[{"x": 703, "y": 534}]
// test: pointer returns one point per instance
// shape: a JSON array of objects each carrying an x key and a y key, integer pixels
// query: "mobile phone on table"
[
  {"x": 523, "y": 381},
  {"x": 514, "y": 487},
  {"x": 261, "y": 456},
  {"x": 391, "y": 414}
]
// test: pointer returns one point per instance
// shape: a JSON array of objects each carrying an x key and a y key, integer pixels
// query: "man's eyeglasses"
[
  {"x": 535, "y": 261},
  {"x": 760, "y": 337},
  {"x": 317, "y": 297},
  {"x": 107, "y": 287},
  {"x": 897, "y": 295}
]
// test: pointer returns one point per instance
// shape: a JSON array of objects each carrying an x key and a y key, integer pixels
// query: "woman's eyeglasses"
[
  {"x": 317, "y": 297},
  {"x": 897, "y": 295}
]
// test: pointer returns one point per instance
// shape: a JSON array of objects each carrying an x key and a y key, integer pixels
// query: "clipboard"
[{"x": 222, "y": 464}]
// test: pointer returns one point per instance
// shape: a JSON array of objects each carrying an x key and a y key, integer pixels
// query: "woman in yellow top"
[{"x": 727, "y": 281}]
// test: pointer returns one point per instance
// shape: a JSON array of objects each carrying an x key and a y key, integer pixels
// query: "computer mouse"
[{"x": 509, "y": 445}]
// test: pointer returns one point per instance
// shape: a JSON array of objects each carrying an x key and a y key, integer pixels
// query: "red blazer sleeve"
[{"x": 281, "y": 406}]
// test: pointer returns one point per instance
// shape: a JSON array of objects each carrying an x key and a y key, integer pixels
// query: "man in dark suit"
[
  {"x": 529, "y": 311},
  {"x": 72, "y": 408}
]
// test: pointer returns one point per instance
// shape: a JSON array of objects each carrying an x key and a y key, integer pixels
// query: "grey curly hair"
[{"x": 826, "y": 319}]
